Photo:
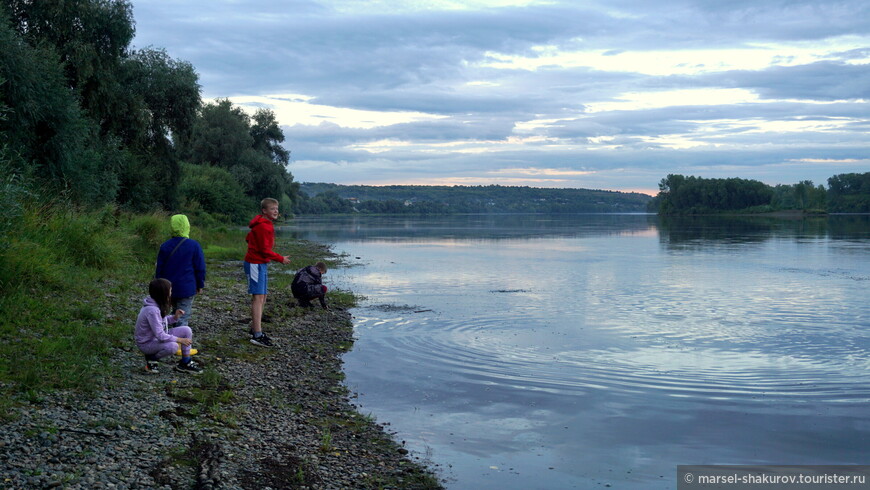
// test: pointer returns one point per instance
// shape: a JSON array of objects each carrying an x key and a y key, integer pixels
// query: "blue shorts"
[{"x": 258, "y": 277}]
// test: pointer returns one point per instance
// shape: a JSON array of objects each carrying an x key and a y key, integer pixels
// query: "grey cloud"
[
  {"x": 472, "y": 128},
  {"x": 297, "y": 45},
  {"x": 422, "y": 62},
  {"x": 563, "y": 91},
  {"x": 854, "y": 54},
  {"x": 823, "y": 81},
  {"x": 706, "y": 22}
]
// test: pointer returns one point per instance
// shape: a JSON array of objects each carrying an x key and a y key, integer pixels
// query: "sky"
[{"x": 612, "y": 94}]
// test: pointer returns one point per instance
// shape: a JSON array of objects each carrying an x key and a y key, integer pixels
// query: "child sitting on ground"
[
  {"x": 307, "y": 285},
  {"x": 154, "y": 338}
]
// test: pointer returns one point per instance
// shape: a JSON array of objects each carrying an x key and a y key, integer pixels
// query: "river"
[{"x": 580, "y": 351}]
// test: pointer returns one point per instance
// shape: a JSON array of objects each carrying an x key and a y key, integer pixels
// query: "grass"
[
  {"x": 326, "y": 441},
  {"x": 71, "y": 282},
  {"x": 60, "y": 276},
  {"x": 210, "y": 395},
  {"x": 343, "y": 299},
  {"x": 412, "y": 479}
]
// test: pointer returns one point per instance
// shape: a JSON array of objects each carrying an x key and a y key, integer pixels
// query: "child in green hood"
[{"x": 182, "y": 262}]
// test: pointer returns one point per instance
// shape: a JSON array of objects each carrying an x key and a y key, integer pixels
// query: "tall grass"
[
  {"x": 221, "y": 242},
  {"x": 63, "y": 274},
  {"x": 71, "y": 283}
]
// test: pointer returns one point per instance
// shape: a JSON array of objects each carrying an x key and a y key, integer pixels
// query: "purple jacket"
[{"x": 150, "y": 326}]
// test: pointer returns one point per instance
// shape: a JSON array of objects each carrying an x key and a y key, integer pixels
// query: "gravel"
[{"x": 258, "y": 418}]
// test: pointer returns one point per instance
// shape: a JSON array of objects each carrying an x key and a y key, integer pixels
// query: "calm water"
[{"x": 522, "y": 352}]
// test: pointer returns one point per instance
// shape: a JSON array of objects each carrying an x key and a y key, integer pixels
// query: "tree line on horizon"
[
  {"x": 678, "y": 194},
  {"x": 87, "y": 119},
  {"x": 326, "y": 198}
]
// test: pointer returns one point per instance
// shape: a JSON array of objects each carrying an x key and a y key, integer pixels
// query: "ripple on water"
[{"x": 804, "y": 366}]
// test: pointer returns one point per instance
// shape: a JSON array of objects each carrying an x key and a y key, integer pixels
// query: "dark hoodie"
[
  {"x": 307, "y": 285},
  {"x": 260, "y": 240}
]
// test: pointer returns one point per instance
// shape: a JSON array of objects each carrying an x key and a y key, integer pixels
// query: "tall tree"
[
  {"x": 44, "y": 128},
  {"x": 679, "y": 194},
  {"x": 90, "y": 36},
  {"x": 224, "y": 136},
  {"x": 130, "y": 104},
  {"x": 221, "y": 135},
  {"x": 268, "y": 137},
  {"x": 161, "y": 104},
  {"x": 849, "y": 193}
]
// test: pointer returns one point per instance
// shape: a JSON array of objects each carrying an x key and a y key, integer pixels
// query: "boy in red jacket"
[{"x": 260, "y": 240}]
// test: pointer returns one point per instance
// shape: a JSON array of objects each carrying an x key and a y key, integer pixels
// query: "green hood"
[{"x": 179, "y": 225}]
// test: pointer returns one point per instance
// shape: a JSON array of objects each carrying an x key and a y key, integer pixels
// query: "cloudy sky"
[{"x": 610, "y": 94}]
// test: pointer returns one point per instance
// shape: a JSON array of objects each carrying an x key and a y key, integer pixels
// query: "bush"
[
  {"x": 151, "y": 230},
  {"x": 214, "y": 191},
  {"x": 44, "y": 242},
  {"x": 85, "y": 241}
]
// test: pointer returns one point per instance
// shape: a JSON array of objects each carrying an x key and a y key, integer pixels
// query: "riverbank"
[{"x": 257, "y": 418}]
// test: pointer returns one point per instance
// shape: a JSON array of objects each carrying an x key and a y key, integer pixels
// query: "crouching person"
[
  {"x": 152, "y": 335},
  {"x": 308, "y": 285}
]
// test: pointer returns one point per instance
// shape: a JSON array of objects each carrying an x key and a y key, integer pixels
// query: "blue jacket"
[{"x": 185, "y": 269}]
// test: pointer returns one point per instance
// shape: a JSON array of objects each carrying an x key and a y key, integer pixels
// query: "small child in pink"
[{"x": 154, "y": 338}]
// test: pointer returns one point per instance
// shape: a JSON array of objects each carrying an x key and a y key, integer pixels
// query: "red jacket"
[{"x": 260, "y": 240}]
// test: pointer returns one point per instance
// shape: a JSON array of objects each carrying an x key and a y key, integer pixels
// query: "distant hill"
[{"x": 323, "y": 198}]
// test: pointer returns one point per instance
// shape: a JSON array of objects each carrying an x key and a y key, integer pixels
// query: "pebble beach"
[{"x": 257, "y": 418}]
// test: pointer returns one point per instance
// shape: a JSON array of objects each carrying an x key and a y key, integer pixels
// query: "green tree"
[
  {"x": 326, "y": 203},
  {"x": 214, "y": 190},
  {"x": 90, "y": 36},
  {"x": 116, "y": 110},
  {"x": 694, "y": 195},
  {"x": 849, "y": 193},
  {"x": 161, "y": 104},
  {"x": 221, "y": 134},
  {"x": 44, "y": 127},
  {"x": 225, "y": 136},
  {"x": 268, "y": 137}
]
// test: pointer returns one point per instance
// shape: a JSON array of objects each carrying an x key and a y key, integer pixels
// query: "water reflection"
[
  {"x": 672, "y": 229},
  {"x": 478, "y": 227},
  {"x": 683, "y": 231},
  {"x": 573, "y": 352}
]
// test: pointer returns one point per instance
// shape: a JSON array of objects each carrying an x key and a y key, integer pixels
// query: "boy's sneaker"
[
  {"x": 151, "y": 367},
  {"x": 262, "y": 340},
  {"x": 190, "y": 368}
]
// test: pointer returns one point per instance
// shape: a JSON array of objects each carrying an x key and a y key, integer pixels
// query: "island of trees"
[{"x": 678, "y": 194}]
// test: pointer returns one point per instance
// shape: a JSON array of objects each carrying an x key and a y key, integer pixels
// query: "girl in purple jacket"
[{"x": 154, "y": 338}]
